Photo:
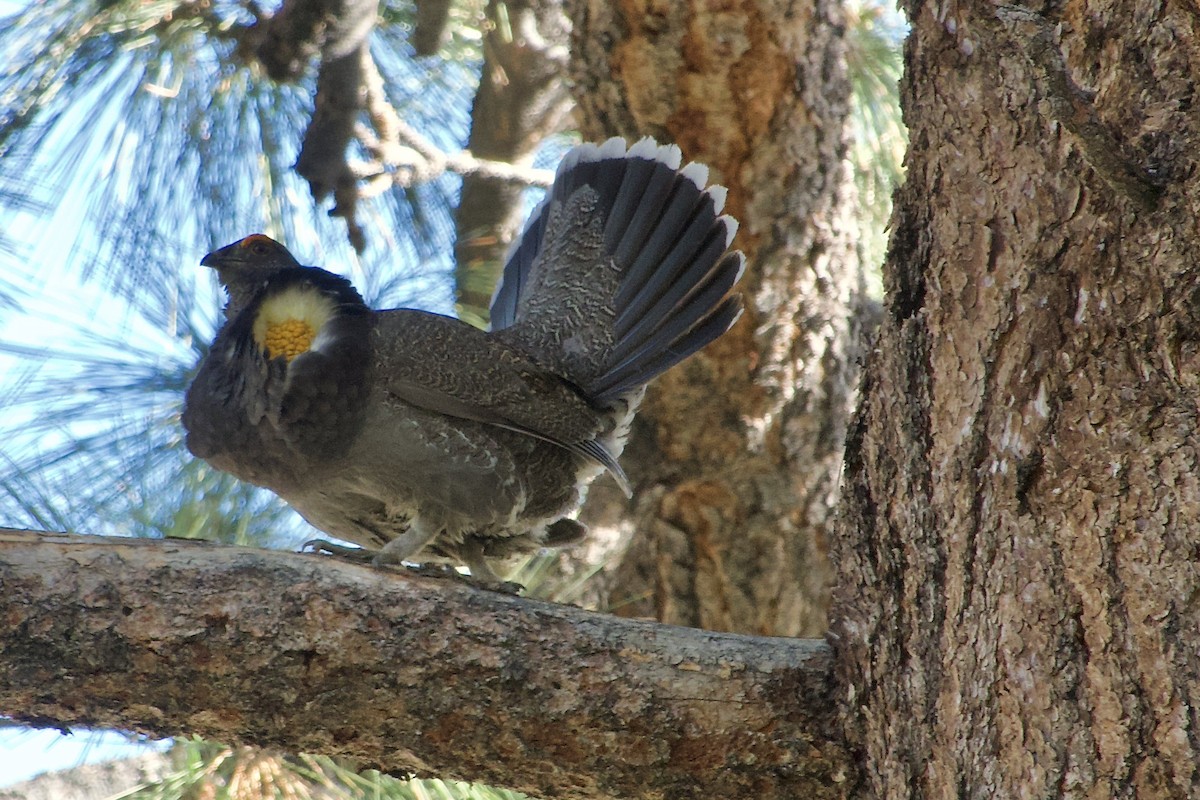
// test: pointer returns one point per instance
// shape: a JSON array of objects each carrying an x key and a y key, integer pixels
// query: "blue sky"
[
  {"x": 25, "y": 753},
  {"x": 55, "y": 308}
]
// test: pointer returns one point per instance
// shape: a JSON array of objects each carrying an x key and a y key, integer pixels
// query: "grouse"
[{"x": 424, "y": 439}]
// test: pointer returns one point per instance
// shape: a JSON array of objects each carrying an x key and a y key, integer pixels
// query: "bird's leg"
[
  {"x": 406, "y": 545},
  {"x": 482, "y": 574},
  {"x": 409, "y": 544}
]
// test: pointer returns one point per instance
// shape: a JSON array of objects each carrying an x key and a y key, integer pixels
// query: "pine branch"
[{"x": 408, "y": 674}]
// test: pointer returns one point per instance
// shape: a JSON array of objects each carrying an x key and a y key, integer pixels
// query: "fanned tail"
[
  {"x": 622, "y": 271},
  {"x": 660, "y": 226}
]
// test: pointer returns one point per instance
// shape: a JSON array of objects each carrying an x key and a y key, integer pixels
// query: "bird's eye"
[{"x": 260, "y": 249}]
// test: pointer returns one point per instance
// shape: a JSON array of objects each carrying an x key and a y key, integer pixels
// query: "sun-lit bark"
[{"x": 736, "y": 454}]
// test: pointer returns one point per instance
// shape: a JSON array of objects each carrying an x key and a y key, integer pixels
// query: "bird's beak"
[{"x": 223, "y": 257}]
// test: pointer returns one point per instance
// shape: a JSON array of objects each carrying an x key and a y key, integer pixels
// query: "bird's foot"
[
  {"x": 405, "y": 546},
  {"x": 431, "y": 570},
  {"x": 503, "y": 587},
  {"x": 357, "y": 554},
  {"x": 386, "y": 558},
  {"x": 447, "y": 572},
  {"x": 482, "y": 574}
]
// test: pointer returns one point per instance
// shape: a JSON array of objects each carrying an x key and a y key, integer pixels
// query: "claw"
[
  {"x": 481, "y": 576},
  {"x": 356, "y": 554},
  {"x": 446, "y": 571},
  {"x": 504, "y": 587}
]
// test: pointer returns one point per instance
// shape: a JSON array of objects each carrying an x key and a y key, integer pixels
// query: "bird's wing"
[{"x": 444, "y": 365}]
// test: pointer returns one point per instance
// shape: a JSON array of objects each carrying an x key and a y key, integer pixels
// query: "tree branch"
[
  {"x": 404, "y": 673},
  {"x": 508, "y": 122},
  {"x": 403, "y": 157}
]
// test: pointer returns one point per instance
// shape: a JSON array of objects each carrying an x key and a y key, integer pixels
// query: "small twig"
[
  {"x": 412, "y": 168},
  {"x": 466, "y": 164},
  {"x": 1073, "y": 107},
  {"x": 399, "y": 148}
]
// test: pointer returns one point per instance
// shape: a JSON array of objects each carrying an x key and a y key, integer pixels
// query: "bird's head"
[
  {"x": 246, "y": 266},
  {"x": 287, "y": 304}
]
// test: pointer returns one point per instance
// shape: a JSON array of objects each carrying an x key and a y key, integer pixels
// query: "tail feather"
[
  {"x": 628, "y": 240},
  {"x": 592, "y": 165},
  {"x": 503, "y": 310},
  {"x": 619, "y": 273},
  {"x": 675, "y": 331},
  {"x": 692, "y": 260},
  {"x": 628, "y": 222},
  {"x": 678, "y": 225},
  {"x": 676, "y": 309},
  {"x": 635, "y": 372}
]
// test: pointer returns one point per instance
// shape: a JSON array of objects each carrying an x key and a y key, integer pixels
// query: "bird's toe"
[{"x": 357, "y": 554}]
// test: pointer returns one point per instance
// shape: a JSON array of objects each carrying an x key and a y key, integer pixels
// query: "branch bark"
[
  {"x": 406, "y": 674},
  {"x": 430, "y": 33}
]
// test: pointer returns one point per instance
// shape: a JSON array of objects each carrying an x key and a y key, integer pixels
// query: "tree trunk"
[
  {"x": 521, "y": 100},
  {"x": 1016, "y": 613},
  {"x": 736, "y": 454}
]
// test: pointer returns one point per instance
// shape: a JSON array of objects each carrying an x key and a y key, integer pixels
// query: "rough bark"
[
  {"x": 522, "y": 99},
  {"x": 737, "y": 453},
  {"x": 407, "y": 674},
  {"x": 1017, "y": 614}
]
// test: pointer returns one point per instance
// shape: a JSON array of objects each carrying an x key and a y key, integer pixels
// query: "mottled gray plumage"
[{"x": 426, "y": 439}]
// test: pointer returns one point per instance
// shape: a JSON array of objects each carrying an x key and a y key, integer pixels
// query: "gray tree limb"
[{"x": 407, "y": 674}]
